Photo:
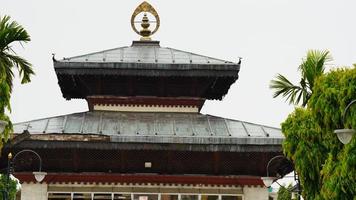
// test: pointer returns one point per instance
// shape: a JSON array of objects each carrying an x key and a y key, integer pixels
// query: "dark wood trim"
[
  {"x": 82, "y": 86},
  {"x": 105, "y": 145},
  {"x": 216, "y": 157},
  {"x": 143, "y": 179}
]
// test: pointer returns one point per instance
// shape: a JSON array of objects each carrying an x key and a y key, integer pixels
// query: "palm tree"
[
  {"x": 311, "y": 68},
  {"x": 11, "y": 32}
]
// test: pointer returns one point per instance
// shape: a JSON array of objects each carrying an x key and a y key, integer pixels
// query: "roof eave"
[
  {"x": 138, "y": 65},
  {"x": 147, "y": 69},
  {"x": 149, "y": 72},
  {"x": 104, "y": 145}
]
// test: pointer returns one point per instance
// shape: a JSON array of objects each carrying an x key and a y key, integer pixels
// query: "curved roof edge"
[
  {"x": 180, "y": 128},
  {"x": 146, "y": 53}
]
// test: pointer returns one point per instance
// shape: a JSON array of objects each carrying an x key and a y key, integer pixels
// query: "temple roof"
[
  {"x": 146, "y": 58},
  {"x": 145, "y": 69},
  {"x": 189, "y": 128},
  {"x": 147, "y": 52}
]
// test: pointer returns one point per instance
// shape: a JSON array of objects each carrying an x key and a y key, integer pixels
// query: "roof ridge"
[
  {"x": 74, "y": 113},
  {"x": 202, "y": 55},
  {"x": 96, "y": 52},
  {"x": 237, "y": 120},
  {"x": 83, "y": 56},
  {"x": 44, "y": 118},
  {"x": 63, "y": 115}
]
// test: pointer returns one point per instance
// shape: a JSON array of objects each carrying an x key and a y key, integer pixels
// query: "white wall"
[
  {"x": 33, "y": 191},
  {"x": 255, "y": 193}
]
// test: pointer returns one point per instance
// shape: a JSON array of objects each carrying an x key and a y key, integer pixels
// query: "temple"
[{"x": 143, "y": 137}]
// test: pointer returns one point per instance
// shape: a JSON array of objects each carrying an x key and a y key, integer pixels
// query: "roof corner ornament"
[
  {"x": 54, "y": 57},
  {"x": 240, "y": 59},
  {"x": 145, "y": 23}
]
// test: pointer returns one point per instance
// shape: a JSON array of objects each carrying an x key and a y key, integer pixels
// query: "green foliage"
[
  {"x": 11, "y": 187},
  {"x": 311, "y": 68},
  {"x": 326, "y": 167},
  {"x": 285, "y": 193},
  {"x": 304, "y": 146},
  {"x": 8, "y": 129},
  {"x": 10, "y": 32}
]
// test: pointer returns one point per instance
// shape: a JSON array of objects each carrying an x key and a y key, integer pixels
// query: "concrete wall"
[
  {"x": 255, "y": 193},
  {"x": 33, "y": 191}
]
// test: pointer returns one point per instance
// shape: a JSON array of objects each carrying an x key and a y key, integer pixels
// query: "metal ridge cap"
[
  {"x": 198, "y": 140},
  {"x": 86, "y": 63},
  {"x": 46, "y": 118},
  {"x": 149, "y": 72},
  {"x": 245, "y": 122},
  {"x": 196, "y": 54},
  {"x": 148, "y": 43},
  {"x": 66, "y": 59},
  {"x": 161, "y": 67}
]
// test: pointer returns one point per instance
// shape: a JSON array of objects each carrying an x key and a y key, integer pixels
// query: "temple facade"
[{"x": 143, "y": 137}]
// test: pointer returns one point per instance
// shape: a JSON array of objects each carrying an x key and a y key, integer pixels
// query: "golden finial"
[
  {"x": 145, "y": 23},
  {"x": 145, "y": 32},
  {"x": 9, "y": 156}
]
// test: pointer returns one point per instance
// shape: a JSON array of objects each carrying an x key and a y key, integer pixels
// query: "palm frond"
[
  {"x": 11, "y": 32},
  {"x": 24, "y": 67},
  {"x": 314, "y": 65},
  {"x": 305, "y": 95},
  {"x": 6, "y": 72},
  {"x": 282, "y": 86},
  {"x": 5, "y": 97},
  {"x": 311, "y": 68}
]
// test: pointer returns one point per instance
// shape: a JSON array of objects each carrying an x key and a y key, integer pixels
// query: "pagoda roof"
[
  {"x": 180, "y": 128},
  {"x": 120, "y": 142},
  {"x": 147, "y": 55}
]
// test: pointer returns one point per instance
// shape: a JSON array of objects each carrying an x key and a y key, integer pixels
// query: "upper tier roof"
[
  {"x": 147, "y": 52},
  {"x": 145, "y": 69},
  {"x": 147, "y": 58}
]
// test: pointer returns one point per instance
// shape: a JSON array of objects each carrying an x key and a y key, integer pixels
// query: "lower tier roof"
[
  {"x": 180, "y": 128},
  {"x": 121, "y": 142}
]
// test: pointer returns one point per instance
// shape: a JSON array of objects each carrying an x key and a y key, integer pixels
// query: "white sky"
[{"x": 271, "y": 36}]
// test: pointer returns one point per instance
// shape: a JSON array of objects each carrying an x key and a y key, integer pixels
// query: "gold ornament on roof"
[{"x": 145, "y": 22}]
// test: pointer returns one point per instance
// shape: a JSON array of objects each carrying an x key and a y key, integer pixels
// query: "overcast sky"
[{"x": 271, "y": 36}]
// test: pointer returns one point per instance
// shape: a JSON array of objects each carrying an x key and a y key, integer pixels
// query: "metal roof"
[
  {"x": 147, "y": 52},
  {"x": 191, "y": 128}
]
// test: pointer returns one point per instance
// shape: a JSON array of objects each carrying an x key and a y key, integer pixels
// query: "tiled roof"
[{"x": 155, "y": 128}]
